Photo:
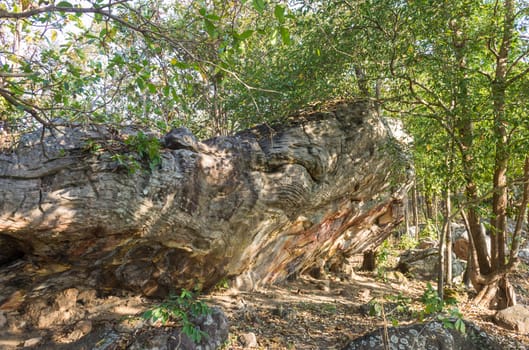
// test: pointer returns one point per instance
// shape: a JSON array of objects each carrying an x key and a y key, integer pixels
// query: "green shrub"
[
  {"x": 179, "y": 309},
  {"x": 147, "y": 147},
  {"x": 434, "y": 305}
]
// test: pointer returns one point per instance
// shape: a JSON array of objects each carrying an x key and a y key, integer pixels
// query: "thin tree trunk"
[
  {"x": 416, "y": 210},
  {"x": 407, "y": 216},
  {"x": 515, "y": 242},
  {"x": 435, "y": 212},
  {"x": 441, "y": 267},
  {"x": 428, "y": 213},
  {"x": 448, "y": 239},
  {"x": 499, "y": 86}
]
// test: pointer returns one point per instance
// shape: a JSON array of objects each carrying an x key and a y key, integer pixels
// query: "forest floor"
[
  {"x": 306, "y": 313},
  {"x": 327, "y": 314}
]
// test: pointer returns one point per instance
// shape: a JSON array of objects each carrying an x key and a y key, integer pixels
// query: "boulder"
[
  {"x": 423, "y": 264},
  {"x": 515, "y": 318},
  {"x": 427, "y": 243},
  {"x": 259, "y": 206},
  {"x": 431, "y": 336},
  {"x": 420, "y": 263},
  {"x": 459, "y": 231}
]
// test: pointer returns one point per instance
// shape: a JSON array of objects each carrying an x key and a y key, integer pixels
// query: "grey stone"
[
  {"x": 180, "y": 138},
  {"x": 248, "y": 340},
  {"x": 32, "y": 342},
  {"x": 427, "y": 336},
  {"x": 515, "y": 318},
  {"x": 422, "y": 264}
]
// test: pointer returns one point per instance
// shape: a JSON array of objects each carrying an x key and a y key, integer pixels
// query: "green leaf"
[
  {"x": 259, "y": 5},
  {"x": 178, "y": 64},
  {"x": 64, "y": 4},
  {"x": 245, "y": 35},
  {"x": 212, "y": 17},
  {"x": 140, "y": 83},
  {"x": 279, "y": 13},
  {"x": 285, "y": 35},
  {"x": 152, "y": 88},
  {"x": 460, "y": 326},
  {"x": 210, "y": 28}
]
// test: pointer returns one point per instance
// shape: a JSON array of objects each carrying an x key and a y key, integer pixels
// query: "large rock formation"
[{"x": 262, "y": 205}]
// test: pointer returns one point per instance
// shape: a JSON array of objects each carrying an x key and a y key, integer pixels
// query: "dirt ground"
[
  {"x": 42, "y": 308},
  {"x": 327, "y": 314}
]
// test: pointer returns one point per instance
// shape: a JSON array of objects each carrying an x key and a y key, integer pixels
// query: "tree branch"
[{"x": 31, "y": 110}]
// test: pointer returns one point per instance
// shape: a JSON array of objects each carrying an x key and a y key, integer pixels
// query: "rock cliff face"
[{"x": 260, "y": 206}]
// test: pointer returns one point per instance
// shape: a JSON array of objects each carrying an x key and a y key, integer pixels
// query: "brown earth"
[{"x": 41, "y": 308}]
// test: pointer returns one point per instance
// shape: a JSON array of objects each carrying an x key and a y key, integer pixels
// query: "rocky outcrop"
[
  {"x": 262, "y": 205},
  {"x": 432, "y": 336}
]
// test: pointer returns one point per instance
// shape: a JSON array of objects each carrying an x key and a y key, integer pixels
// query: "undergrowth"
[
  {"x": 433, "y": 307},
  {"x": 180, "y": 309}
]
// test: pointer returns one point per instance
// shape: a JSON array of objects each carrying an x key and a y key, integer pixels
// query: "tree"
[
  {"x": 159, "y": 63},
  {"x": 473, "y": 98},
  {"x": 455, "y": 73}
]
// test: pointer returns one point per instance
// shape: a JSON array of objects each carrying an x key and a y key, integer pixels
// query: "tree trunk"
[
  {"x": 441, "y": 255},
  {"x": 428, "y": 204},
  {"x": 260, "y": 206},
  {"x": 415, "y": 204},
  {"x": 448, "y": 239},
  {"x": 369, "y": 260},
  {"x": 500, "y": 294}
]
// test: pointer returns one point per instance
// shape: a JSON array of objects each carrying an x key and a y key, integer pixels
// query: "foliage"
[
  {"x": 434, "y": 305},
  {"x": 149, "y": 62},
  {"x": 180, "y": 308},
  {"x": 429, "y": 230},
  {"x": 130, "y": 152},
  {"x": 147, "y": 147},
  {"x": 396, "y": 306},
  {"x": 223, "y": 284},
  {"x": 382, "y": 259},
  {"x": 406, "y": 242}
]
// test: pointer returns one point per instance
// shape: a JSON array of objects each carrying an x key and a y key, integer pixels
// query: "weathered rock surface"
[
  {"x": 262, "y": 205},
  {"x": 514, "y": 318},
  {"x": 423, "y": 264},
  {"x": 427, "y": 336}
]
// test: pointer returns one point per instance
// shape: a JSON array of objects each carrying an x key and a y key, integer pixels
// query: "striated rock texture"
[{"x": 262, "y": 205}]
